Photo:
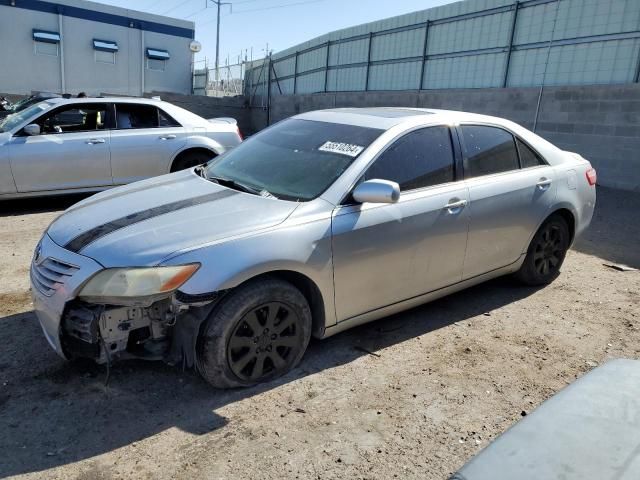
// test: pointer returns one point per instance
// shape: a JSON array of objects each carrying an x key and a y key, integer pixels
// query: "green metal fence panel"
[
  {"x": 347, "y": 79},
  {"x": 397, "y": 45},
  {"x": 477, "y": 71},
  {"x": 395, "y": 76},
  {"x": 470, "y": 44},
  {"x": 349, "y": 52},
  {"x": 310, "y": 83},
  {"x": 474, "y": 33}
]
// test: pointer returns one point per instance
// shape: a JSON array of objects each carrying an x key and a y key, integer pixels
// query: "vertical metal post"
[
  {"x": 143, "y": 49},
  {"x": 511, "y": 36},
  {"x": 546, "y": 65},
  {"x": 366, "y": 83},
  {"x": 424, "y": 54},
  {"x": 295, "y": 73},
  {"x": 326, "y": 67},
  {"x": 637, "y": 77},
  {"x": 269, "y": 92},
  {"x": 62, "y": 79}
]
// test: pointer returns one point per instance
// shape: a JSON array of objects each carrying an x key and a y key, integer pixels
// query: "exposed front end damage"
[{"x": 165, "y": 330}]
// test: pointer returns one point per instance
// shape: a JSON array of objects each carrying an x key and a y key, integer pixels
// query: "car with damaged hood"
[{"x": 321, "y": 222}]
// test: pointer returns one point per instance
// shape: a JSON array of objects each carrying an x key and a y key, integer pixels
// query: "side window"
[
  {"x": 488, "y": 150},
  {"x": 419, "y": 159},
  {"x": 131, "y": 115},
  {"x": 165, "y": 120},
  {"x": 77, "y": 118},
  {"x": 528, "y": 158}
]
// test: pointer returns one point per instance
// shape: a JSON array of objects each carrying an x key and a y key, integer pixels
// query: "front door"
[
  {"x": 507, "y": 202},
  {"x": 72, "y": 150},
  {"x": 387, "y": 253}
]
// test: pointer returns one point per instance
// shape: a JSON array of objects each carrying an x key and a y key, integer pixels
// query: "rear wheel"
[
  {"x": 258, "y": 333},
  {"x": 546, "y": 253},
  {"x": 191, "y": 159}
]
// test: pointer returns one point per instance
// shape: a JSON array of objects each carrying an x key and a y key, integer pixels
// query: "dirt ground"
[{"x": 442, "y": 381}]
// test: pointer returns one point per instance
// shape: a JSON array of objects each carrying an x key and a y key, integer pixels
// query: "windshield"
[
  {"x": 295, "y": 159},
  {"x": 15, "y": 119}
]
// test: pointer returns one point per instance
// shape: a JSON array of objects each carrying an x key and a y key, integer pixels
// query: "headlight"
[{"x": 136, "y": 283}]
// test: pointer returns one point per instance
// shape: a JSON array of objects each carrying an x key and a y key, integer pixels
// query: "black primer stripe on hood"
[
  {"x": 78, "y": 243},
  {"x": 129, "y": 191}
]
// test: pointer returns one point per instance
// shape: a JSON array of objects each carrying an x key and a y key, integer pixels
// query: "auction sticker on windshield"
[{"x": 341, "y": 148}]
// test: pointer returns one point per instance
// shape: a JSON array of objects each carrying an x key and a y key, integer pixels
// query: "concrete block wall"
[
  {"x": 600, "y": 122},
  {"x": 211, "y": 107}
]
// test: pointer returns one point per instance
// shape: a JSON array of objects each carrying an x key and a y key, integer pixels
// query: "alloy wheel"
[
  {"x": 265, "y": 341},
  {"x": 548, "y": 252}
]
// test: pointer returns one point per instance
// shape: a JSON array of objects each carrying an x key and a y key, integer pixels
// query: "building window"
[
  {"x": 157, "y": 59},
  {"x": 155, "y": 64},
  {"x": 105, "y": 51},
  {"x": 46, "y": 43}
]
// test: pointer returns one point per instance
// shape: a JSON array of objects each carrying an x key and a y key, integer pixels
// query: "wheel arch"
[
  {"x": 309, "y": 290},
  {"x": 568, "y": 217},
  {"x": 189, "y": 150}
]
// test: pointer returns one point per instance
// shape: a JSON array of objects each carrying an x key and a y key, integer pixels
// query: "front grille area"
[{"x": 49, "y": 274}]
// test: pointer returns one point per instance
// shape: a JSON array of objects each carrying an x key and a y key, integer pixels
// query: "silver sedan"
[
  {"x": 89, "y": 144},
  {"x": 321, "y": 222}
]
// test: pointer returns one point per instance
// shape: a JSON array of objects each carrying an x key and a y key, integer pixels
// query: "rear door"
[
  {"x": 144, "y": 142},
  {"x": 72, "y": 150},
  {"x": 510, "y": 194}
]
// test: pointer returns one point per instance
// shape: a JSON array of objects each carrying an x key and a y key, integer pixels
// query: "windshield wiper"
[{"x": 228, "y": 182}]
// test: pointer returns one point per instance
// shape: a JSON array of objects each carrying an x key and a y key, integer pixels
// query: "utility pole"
[{"x": 218, "y": 4}]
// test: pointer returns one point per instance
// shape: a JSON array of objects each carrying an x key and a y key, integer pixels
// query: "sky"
[{"x": 278, "y": 23}]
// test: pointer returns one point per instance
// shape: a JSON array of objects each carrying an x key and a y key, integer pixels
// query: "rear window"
[
  {"x": 528, "y": 158},
  {"x": 488, "y": 150},
  {"x": 131, "y": 115}
]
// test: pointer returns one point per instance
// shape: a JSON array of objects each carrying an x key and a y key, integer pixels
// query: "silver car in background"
[
  {"x": 321, "y": 222},
  {"x": 89, "y": 144}
]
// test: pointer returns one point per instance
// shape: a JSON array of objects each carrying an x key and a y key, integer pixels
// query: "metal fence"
[
  {"x": 522, "y": 43},
  {"x": 227, "y": 81}
]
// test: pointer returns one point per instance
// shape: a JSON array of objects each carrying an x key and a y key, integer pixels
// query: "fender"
[
  {"x": 230, "y": 263},
  {"x": 197, "y": 141}
]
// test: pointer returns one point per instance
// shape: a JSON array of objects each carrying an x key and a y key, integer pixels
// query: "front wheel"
[
  {"x": 258, "y": 333},
  {"x": 546, "y": 253}
]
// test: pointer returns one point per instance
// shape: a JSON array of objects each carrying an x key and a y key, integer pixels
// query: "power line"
[
  {"x": 173, "y": 8},
  {"x": 265, "y": 8},
  {"x": 277, "y": 6}
]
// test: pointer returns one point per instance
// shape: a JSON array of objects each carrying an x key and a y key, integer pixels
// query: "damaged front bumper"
[
  {"x": 167, "y": 329},
  {"x": 56, "y": 274}
]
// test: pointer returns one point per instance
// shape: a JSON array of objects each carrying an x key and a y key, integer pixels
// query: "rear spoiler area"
[{"x": 226, "y": 120}]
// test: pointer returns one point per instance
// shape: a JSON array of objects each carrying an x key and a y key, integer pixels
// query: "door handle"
[
  {"x": 93, "y": 141},
  {"x": 455, "y": 206},
  {"x": 544, "y": 183},
  {"x": 167, "y": 137}
]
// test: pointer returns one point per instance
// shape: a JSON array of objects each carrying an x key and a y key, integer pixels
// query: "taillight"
[
  {"x": 239, "y": 133},
  {"x": 592, "y": 177}
]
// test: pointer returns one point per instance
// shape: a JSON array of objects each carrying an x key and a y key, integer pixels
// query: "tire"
[
  {"x": 191, "y": 159},
  {"x": 546, "y": 253},
  {"x": 258, "y": 332}
]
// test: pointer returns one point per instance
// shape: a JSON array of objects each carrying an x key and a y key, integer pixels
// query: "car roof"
[
  {"x": 62, "y": 100},
  {"x": 388, "y": 117}
]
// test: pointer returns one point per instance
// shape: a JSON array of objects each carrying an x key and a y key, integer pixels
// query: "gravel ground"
[{"x": 441, "y": 380}]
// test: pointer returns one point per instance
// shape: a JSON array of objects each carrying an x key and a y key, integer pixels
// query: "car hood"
[
  {"x": 144, "y": 222},
  {"x": 4, "y": 136}
]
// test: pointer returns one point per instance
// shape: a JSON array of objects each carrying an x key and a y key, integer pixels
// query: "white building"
[{"x": 69, "y": 46}]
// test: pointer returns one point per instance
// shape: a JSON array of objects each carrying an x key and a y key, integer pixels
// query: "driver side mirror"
[
  {"x": 377, "y": 191},
  {"x": 32, "y": 129}
]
